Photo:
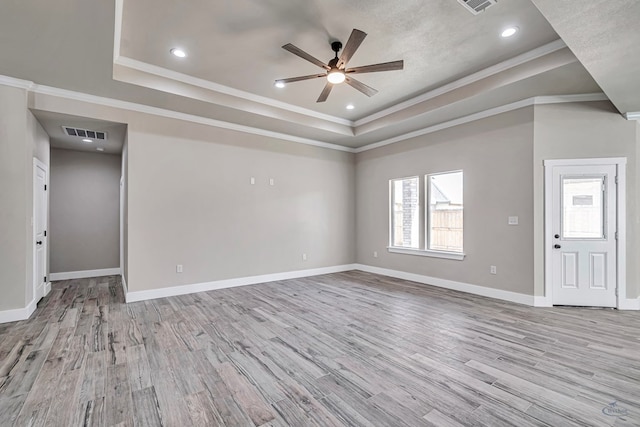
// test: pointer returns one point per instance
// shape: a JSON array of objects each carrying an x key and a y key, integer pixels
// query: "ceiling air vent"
[
  {"x": 84, "y": 133},
  {"x": 477, "y": 6}
]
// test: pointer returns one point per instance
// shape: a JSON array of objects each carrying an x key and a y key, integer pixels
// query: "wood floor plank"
[{"x": 352, "y": 349}]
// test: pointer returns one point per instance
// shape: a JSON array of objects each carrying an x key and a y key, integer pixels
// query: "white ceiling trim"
[
  {"x": 471, "y": 78},
  {"x": 117, "y": 30},
  {"x": 632, "y": 115},
  {"x": 161, "y": 112},
  {"x": 538, "y": 100},
  {"x": 216, "y": 87},
  {"x": 131, "y": 106},
  {"x": 13, "y": 82}
]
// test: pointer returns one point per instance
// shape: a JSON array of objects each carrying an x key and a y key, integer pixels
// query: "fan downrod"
[{"x": 336, "y": 46}]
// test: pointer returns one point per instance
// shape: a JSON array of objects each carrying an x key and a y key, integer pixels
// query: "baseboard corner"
[
  {"x": 629, "y": 304},
  {"x": 17, "y": 314},
  {"x": 542, "y": 302}
]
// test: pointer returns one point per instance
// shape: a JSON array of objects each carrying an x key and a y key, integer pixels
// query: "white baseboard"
[
  {"x": 17, "y": 314},
  {"x": 47, "y": 288},
  {"x": 124, "y": 284},
  {"x": 450, "y": 284},
  {"x": 542, "y": 302},
  {"x": 230, "y": 283},
  {"x": 85, "y": 274},
  {"x": 629, "y": 304}
]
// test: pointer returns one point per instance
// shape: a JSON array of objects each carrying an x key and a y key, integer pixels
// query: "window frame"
[
  {"x": 391, "y": 214},
  {"x": 424, "y": 220}
]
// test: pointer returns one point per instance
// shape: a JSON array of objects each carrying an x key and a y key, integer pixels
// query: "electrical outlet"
[
  {"x": 179, "y": 268},
  {"x": 493, "y": 270},
  {"x": 513, "y": 220},
  {"x": 304, "y": 257},
  {"x": 272, "y": 181},
  {"x": 375, "y": 254}
]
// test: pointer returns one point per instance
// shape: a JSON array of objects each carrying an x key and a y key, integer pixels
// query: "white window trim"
[
  {"x": 424, "y": 221},
  {"x": 427, "y": 212},
  {"x": 420, "y": 214},
  {"x": 458, "y": 256}
]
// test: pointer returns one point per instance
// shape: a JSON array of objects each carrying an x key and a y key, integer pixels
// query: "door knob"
[
  {"x": 39, "y": 242},
  {"x": 557, "y": 236},
  {"x": 557, "y": 246}
]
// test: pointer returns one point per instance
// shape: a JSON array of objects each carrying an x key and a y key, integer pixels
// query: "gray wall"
[
  {"x": 21, "y": 139},
  {"x": 85, "y": 211},
  {"x": 496, "y": 155},
  {"x": 584, "y": 130},
  {"x": 190, "y": 202}
]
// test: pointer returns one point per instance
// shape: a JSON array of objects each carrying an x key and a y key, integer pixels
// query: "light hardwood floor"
[{"x": 341, "y": 349}]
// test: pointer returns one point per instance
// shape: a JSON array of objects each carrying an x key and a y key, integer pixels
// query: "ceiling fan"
[{"x": 336, "y": 71}]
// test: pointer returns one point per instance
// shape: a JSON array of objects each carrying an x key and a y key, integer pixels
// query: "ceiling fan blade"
[
  {"x": 355, "y": 39},
  {"x": 386, "y": 66},
  {"x": 304, "y": 55},
  {"x": 367, "y": 90},
  {"x": 297, "y": 79},
  {"x": 325, "y": 92}
]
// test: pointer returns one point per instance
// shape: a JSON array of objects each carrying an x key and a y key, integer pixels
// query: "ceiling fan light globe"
[{"x": 335, "y": 77}]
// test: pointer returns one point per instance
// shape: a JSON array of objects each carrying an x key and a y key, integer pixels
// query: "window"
[
  {"x": 445, "y": 211},
  {"x": 440, "y": 232},
  {"x": 405, "y": 215}
]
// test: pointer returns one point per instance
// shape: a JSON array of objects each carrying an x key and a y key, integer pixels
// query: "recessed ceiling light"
[
  {"x": 279, "y": 84},
  {"x": 87, "y": 140},
  {"x": 100, "y": 149},
  {"x": 508, "y": 32},
  {"x": 178, "y": 52},
  {"x": 350, "y": 107}
]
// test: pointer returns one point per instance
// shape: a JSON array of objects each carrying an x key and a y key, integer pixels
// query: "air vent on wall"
[
  {"x": 477, "y": 6},
  {"x": 84, "y": 133}
]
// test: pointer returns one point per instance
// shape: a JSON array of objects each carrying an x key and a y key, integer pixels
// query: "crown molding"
[
  {"x": 539, "y": 100},
  {"x": 472, "y": 78},
  {"x": 18, "y": 83},
  {"x": 144, "y": 67},
  {"x": 632, "y": 115},
  {"x": 161, "y": 112}
]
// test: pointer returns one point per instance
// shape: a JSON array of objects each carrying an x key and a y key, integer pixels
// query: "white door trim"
[
  {"x": 621, "y": 220},
  {"x": 38, "y": 163}
]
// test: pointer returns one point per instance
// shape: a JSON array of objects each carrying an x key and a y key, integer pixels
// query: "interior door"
[
  {"x": 39, "y": 228},
  {"x": 583, "y": 242}
]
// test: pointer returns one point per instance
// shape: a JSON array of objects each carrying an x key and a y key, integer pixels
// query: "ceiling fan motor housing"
[{"x": 336, "y": 46}]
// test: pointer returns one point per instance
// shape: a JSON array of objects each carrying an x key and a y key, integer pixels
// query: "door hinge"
[
  {"x": 45, "y": 187},
  {"x": 616, "y": 235},
  {"x": 45, "y": 233},
  {"x": 616, "y": 291},
  {"x": 45, "y": 280},
  {"x": 616, "y": 179}
]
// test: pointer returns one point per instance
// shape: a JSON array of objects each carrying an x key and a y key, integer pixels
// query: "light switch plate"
[{"x": 513, "y": 220}]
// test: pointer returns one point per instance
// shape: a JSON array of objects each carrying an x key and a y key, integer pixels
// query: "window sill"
[{"x": 433, "y": 254}]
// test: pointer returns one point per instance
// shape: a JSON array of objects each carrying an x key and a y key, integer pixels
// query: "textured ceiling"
[
  {"x": 238, "y": 44},
  {"x": 605, "y": 36},
  {"x": 456, "y": 64}
]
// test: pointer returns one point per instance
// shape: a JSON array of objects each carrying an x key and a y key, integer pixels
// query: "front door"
[
  {"x": 583, "y": 235},
  {"x": 39, "y": 228}
]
